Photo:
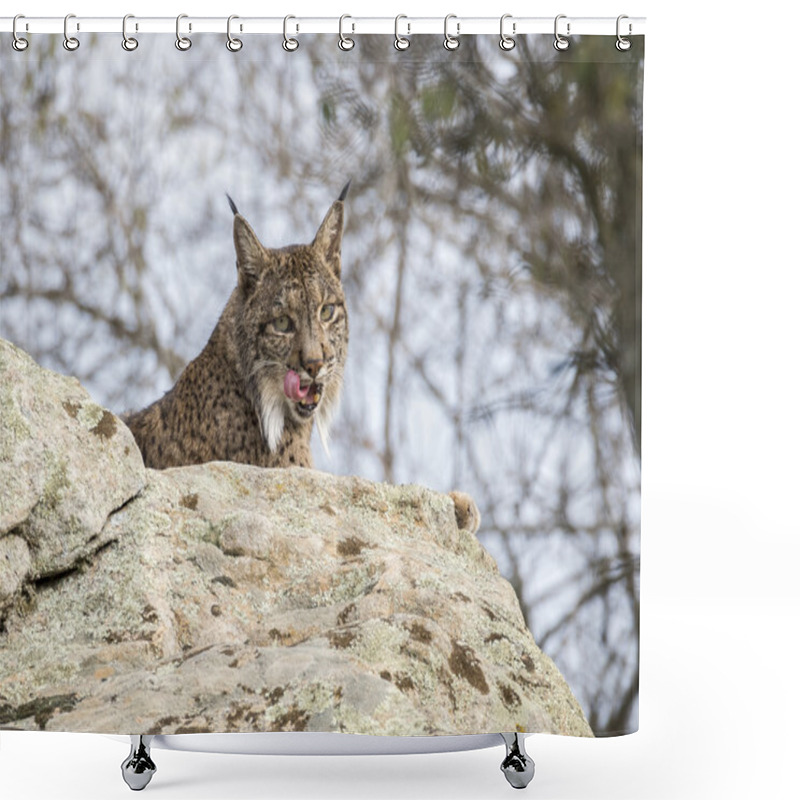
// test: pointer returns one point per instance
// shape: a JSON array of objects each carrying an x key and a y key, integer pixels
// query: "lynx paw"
[{"x": 468, "y": 517}]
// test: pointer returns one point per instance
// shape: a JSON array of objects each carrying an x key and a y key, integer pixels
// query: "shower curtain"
[{"x": 489, "y": 248}]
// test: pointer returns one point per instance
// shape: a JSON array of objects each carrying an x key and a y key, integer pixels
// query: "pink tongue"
[{"x": 292, "y": 388}]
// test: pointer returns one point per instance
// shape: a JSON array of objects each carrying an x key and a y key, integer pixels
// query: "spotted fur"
[{"x": 229, "y": 404}]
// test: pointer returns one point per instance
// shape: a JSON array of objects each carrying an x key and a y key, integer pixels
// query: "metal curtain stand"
[{"x": 138, "y": 768}]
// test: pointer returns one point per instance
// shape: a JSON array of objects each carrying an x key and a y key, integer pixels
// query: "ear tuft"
[
  {"x": 343, "y": 195},
  {"x": 233, "y": 205}
]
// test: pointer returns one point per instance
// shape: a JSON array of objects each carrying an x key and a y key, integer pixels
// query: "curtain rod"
[{"x": 350, "y": 25}]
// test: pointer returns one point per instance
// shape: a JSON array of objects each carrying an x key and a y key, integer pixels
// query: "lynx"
[
  {"x": 272, "y": 367},
  {"x": 273, "y": 364}
]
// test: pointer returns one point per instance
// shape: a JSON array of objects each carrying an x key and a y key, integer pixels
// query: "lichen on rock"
[
  {"x": 65, "y": 465},
  {"x": 224, "y": 597}
]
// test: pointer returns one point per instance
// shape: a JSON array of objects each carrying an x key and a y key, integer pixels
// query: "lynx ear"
[
  {"x": 328, "y": 241},
  {"x": 249, "y": 252}
]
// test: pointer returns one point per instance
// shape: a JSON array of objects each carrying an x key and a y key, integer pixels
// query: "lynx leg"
[
  {"x": 518, "y": 766},
  {"x": 138, "y": 768},
  {"x": 468, "y": 517}
]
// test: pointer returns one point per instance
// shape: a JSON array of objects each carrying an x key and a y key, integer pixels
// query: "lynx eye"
[
  {"x": 326, "y": 312},
  {"x": 283, "y": 324}
]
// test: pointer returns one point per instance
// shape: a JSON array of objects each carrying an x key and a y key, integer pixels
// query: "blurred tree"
[{"x": 528, "y": 168}]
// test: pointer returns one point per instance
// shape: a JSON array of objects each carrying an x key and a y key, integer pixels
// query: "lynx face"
[{"x": 291, "y": 332}]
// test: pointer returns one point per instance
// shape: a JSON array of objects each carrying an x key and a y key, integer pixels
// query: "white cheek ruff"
[
  {"x": 326, "y": 412},
  {"x": 322, "y": 426},
  {"x": 271, "y": 410}
]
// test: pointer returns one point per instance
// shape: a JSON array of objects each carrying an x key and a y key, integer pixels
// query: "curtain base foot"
[
  {"x": 138, "y": 768},
  {"x": 517, "y": 766}
]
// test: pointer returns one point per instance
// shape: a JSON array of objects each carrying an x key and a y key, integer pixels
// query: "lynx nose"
[{"x": 312, "y": 366}]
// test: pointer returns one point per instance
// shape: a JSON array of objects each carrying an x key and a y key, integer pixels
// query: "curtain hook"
[
  {"x": 345, "y": 42},
  {"x": 128, "y": 42},
  {"x": 507, "y": 42},
  {"x": 70, "y": 42},
  {"x": 561, "y": 42},
  {"x": 451, "y": 42},
  {"x": 182, "y": 42},
  {"x": 289, "y": 44},
  {"x": 19, "y": 43},
  {"x": 233, "y": 44},
  {"x": 623, "y": 44},
  {"x": 401, "y": 42}
]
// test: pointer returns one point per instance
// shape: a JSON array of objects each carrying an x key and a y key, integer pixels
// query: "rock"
[
  {"x": 65, "y": 465},
  {"x": 234, "y": 598}
]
